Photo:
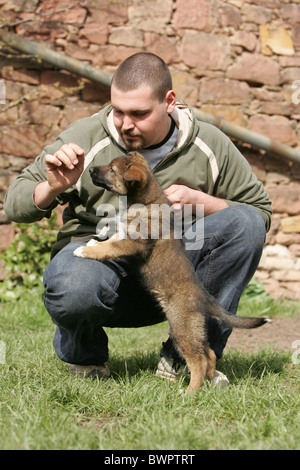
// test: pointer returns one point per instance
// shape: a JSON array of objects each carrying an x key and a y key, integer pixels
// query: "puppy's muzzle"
[{"x": 98, "y": 177}]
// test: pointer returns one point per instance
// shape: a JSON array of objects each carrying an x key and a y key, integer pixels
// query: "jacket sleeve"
[
  {"x": 19, "y": 204},
  {"x": 237, "y": 183}
]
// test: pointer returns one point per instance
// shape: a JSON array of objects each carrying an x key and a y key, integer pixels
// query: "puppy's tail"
[{"x": 232, "y": 321}]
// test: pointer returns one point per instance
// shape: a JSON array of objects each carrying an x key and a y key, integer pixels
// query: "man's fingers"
[
  {"x": 73, "y": 151},
  {"x": 78, "y": 150},
  {"x": 68, "y": 155},
  {"x": 172, "y": 189},
  {"x": 52, "y": 160}
]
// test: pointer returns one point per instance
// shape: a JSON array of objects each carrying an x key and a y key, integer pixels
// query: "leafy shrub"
[
  {"x": 27, "y": 257},
  {"x": 255, "y": 288}
]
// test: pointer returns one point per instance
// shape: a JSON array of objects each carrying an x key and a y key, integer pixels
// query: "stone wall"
[{"x": 233, "y": 58}]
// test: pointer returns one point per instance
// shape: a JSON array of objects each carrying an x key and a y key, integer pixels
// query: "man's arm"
[{"x": 33, "y": 194}]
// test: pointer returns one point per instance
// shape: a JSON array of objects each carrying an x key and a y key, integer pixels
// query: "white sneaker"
[
  {"x": 168, "y": 369},
  {"x": 101, "y": 371},
  {"x": 220, "y": 380}
]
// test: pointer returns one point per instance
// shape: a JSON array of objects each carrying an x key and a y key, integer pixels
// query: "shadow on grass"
[
  {"x": 236, "y": 365},
  {"x": 134, "y": 364}
]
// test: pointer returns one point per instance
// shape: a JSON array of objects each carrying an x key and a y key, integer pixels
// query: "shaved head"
[{"x": 144, "y": 68}]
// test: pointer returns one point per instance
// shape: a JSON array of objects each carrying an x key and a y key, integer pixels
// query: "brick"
[
  {"x": 255, "y": 68},
  {"x": 185, "y": 86},
  {"x": 203, "y": 51},
  {"x": 95, "y": 33},
  {"x": 291, "y": 225},
  {"x": 200, "y": 14},
  {"x": 245, "y": 39},
  {"x": 285, "y": 198},
  {"x": 224, "y": 91},
  {"x": 230, "y": 16},
  {"x": 150, "y": 15},
  {"x": 126, "y": 36},
  {"x": 231, "y": 114},
  {"x": 26, "y": 76},
  {"x": 37, "y": 113},
  {"x": 278, "y": 128},
  {"x": 256, "y": 14},
  {"x": 162, "y": 46},
  {"x": 74, "y": 15},
  {"x": 290, "y": 13},
  {"x": 107, "y": 12},
  {"x": 276, "y": 39},
  {"x": 22, "y": 140}
]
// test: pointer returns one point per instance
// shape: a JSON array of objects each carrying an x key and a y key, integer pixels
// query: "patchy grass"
[{"x": 41, "y": 407}]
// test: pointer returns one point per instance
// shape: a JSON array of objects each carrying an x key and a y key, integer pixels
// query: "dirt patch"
[{"x": 280, "y": 334}]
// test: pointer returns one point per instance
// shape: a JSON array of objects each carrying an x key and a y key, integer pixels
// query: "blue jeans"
[{"x": 83, "y": 295}]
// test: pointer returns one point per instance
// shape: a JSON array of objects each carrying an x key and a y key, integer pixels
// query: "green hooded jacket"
[{"x": 203, "y": 157}]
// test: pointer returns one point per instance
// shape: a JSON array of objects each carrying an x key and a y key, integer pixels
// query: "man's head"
[
  {"x": 144, "y": 68},
  {"x": 142, "y": 99}
]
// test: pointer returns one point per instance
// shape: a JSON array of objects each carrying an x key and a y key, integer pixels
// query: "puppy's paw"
[
  {"x": 92, "y": 243},
  {"x": 79, "y": 252}
]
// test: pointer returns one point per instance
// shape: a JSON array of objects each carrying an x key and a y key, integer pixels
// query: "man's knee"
[
  {"x": 78, "y": 286},
  {"x": 246, "y": 227}
]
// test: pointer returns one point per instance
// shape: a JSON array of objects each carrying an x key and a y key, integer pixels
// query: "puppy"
[{"x": 163, "y": 264}]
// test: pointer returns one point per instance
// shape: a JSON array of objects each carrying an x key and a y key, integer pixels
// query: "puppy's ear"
[{"x": 134, "y": 176}]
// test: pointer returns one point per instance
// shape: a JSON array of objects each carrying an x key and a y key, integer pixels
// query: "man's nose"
[{"x": 127, "y": 123}]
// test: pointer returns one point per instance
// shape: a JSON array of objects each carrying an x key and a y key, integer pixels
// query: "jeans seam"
[
  {"x": 209, "y": 270},
  {"x": 211, "y": 262}
]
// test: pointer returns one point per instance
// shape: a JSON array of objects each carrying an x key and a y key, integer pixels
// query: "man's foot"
[
  {"x": 220, "y": 380},
  {"x": 101, "y": 371},
  {"x": 169, "y": 369}
]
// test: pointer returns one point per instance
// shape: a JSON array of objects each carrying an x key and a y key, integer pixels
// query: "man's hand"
[
  {"x": 179, "y": 195},
  {"x": 63, "y": 171},
  {"x": 64, "y": 167}
]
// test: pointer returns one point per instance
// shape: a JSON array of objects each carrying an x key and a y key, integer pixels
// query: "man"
[{"x": 83, "y": 295}]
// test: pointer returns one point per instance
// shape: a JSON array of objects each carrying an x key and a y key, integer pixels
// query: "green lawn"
[{"x": 41, "y": 407}]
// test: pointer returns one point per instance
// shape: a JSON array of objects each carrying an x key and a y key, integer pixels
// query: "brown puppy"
[{"x": 163, "y": 264}]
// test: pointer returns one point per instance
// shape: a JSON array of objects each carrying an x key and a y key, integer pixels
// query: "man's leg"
[
  {"x": 225, "y": 261},
  {"x": 83, "y": 295},
  {"x": 76, "y": 306}
]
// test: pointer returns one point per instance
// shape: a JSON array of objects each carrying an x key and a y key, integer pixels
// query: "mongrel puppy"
[{"x": 163, "y": 265}]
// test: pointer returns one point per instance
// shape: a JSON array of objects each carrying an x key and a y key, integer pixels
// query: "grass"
[{"x": 41, "y": 407}]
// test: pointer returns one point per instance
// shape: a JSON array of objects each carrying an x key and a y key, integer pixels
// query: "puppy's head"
[{"x": 124, "y": 175}]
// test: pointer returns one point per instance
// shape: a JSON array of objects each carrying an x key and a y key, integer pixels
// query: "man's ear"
[
  {"x": 134, "y": 175},
  {"x": 170, "y": 101}
]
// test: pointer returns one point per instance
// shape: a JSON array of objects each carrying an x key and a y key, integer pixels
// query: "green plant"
[
  {"x": 255, "y": 288},
  {"x": 26, "y": 258}
]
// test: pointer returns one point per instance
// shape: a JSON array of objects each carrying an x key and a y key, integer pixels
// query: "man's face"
[{"x": 140, "y": 119}]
